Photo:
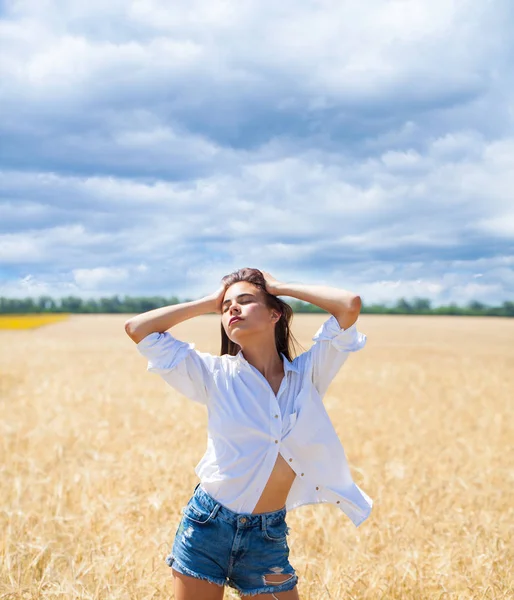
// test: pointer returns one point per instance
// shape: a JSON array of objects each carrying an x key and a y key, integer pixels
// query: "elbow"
[
  {"x": 136, "y": 333},
  {"x": 349, "y": 312},
  {"x": 129, "y": 329},
  {"x": 354, "y": 305}
]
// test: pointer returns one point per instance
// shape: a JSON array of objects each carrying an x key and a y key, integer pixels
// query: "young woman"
[{"x": 271, "y": 445}]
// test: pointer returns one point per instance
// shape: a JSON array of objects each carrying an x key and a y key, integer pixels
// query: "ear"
[{"x": 276, "y": 316}]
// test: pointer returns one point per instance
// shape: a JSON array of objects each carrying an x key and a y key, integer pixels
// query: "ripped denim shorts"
[{"x": 242, "y": 550}]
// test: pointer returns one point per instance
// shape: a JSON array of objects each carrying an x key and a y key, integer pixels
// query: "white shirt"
[{"x": 248, "y": 425}]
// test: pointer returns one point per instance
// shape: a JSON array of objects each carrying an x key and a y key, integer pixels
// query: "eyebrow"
[{"x": 237, "y": 297}]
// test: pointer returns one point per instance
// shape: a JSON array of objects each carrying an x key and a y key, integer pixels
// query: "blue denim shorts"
[{"x": 236, "y": 549}]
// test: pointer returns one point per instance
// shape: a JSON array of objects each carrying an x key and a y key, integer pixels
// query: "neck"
[{"x": 264, "y": 357}]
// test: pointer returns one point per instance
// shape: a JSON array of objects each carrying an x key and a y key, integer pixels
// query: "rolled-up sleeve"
[
  {"x": 332, "y": 346},
  {"x": 183, "y": 367}
]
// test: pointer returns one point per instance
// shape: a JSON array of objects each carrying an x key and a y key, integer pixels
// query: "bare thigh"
[
  {"x": 278, "y": 578},
  {"x": 290, "y": 595},
  {"x": 191, "y": 588}
]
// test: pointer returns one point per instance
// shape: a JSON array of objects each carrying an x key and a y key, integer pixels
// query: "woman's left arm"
[
  {"x": 344, "y": 305},
  {"x": 336, "y": 339}
]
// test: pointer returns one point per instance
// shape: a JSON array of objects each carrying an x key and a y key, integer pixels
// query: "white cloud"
[
  {"x": 502, "y": 225},
  {"x": 42, "y": 246},
  {"x": 87, "y": 279},
  {"x": 331, "y": 141},
  {"x": 32, "y": 286},
  {"x": 326, "y": 55}
]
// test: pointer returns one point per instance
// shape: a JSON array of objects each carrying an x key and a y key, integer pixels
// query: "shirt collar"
[{"x": 288, "y": 365}]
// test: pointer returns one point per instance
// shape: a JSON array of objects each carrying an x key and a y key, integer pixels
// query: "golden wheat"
[{"x": 98, "y": 457}]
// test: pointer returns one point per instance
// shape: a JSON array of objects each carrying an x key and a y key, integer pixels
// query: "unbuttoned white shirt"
[{"x": 248, "y": 425}]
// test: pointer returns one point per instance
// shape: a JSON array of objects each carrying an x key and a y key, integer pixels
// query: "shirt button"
[
  {"x": 317, "y": 487},
  {"x": 290, "y": 460},
  {"x": 302, "y": 474},
  {"x": 276, "y": 416},
  {"x": 276, "y": 441},
  {"x": 338, "y": 502}
]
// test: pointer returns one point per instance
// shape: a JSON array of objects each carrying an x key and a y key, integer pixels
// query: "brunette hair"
[{"x": 284, "y": 339}]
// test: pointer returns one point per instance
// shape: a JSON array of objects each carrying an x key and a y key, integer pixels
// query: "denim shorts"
[{"x": 236, "y": 549}]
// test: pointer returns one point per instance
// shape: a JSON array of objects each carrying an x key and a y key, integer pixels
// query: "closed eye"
[{"x": 241, "y": 301}]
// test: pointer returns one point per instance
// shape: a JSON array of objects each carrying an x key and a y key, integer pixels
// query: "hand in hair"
[
  {"x": 272, "y": 284},
  {"x": 216, "y": 298}
]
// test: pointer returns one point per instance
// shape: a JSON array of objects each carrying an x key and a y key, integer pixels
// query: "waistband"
[{"x": 242, "y": 519}]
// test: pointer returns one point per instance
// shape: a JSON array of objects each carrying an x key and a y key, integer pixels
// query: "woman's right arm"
[
  {"x": 179, "y": 363},
  {"x": 161, "y": 319}
]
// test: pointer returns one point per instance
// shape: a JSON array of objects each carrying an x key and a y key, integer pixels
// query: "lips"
[{"x": 234, "y": 319}]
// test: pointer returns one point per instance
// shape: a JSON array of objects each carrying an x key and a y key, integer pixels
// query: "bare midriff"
[
  {"x": 282, "y": 476},
  {"x": 277, "y": 488}
]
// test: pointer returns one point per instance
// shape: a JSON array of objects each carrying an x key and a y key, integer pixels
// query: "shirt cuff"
[{"x": 344, "y": 340}]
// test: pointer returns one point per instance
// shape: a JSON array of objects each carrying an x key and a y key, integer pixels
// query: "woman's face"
[{"x": 245, "y": 300}]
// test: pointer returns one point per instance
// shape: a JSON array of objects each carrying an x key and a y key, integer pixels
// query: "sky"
[{"x": 150, "y": 147}]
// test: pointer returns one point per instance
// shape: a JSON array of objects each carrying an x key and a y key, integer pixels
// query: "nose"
[{"x": 234, "y": 309}]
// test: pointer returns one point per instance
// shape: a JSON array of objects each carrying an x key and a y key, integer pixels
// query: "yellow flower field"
[
  {"x": 29, "y": 321},
  {"x": 97, "y": 459}
]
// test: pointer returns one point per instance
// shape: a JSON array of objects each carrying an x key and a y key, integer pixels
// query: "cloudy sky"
[{"x": 151, "y": 147}]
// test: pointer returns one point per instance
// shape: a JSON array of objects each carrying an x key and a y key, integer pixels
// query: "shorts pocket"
[
  {"x": 197, "y": 513},
  {"x": 276, "y": 532}
]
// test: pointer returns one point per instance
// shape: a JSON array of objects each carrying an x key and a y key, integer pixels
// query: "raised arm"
[
  {"x": 344, "y": 305},
  {"x": 161, "y": 319},
  {"x": 179, "y": 363},
  {"x": 337, "y": 337}
]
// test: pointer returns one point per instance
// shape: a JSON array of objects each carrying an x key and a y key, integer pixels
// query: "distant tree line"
[{"x": 136, "y": 305}]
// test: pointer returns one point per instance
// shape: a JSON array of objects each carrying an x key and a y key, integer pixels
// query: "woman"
[{"x": 271, "y": 445}]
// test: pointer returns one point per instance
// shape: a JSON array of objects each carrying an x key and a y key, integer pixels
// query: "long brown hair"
[{"x": 284, "y": 339}]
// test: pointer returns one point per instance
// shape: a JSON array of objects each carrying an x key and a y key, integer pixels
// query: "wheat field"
[{"x": 98, "y": 456}]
